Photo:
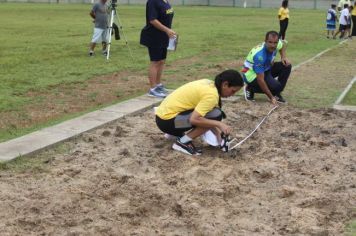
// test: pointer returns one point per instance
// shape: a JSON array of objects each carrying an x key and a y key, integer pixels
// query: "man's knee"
[{"x": 215, "y": 114}]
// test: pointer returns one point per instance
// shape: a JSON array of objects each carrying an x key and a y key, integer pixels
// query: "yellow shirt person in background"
[
  {"x": 341, "y": 4},
  {"x": 283, "y": 16},
  {"x": 194, "y": 108},
  {"x": 353, "y": 18}
]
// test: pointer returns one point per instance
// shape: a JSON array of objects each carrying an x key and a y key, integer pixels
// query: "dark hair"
[
  {"x": 271, "y": 33},
  {"x": 346, "y": 5},
  {"x": 333, "y": 5},
  {"x": 232, "y": 77},
  {"x": 285, "y": 3}
]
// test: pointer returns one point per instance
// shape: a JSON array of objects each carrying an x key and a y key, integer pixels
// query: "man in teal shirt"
[{"x": 260, "y": 70}]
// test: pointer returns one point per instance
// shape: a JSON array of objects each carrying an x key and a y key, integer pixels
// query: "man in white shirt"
[
  {"x": 344, "y": 18},
  {"x": 341, "y": 4}
]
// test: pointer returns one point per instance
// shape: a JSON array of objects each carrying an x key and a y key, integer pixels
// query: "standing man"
[
  {"x": 155, "y": 36},
  {"x": 100, "y": 14},
  {"x": 344, "y": 22},
  {"x": 260, "y": 70},
  {"x": 353, "y": 17}
]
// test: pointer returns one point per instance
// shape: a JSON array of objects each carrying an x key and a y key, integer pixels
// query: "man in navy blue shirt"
[{"x": 155, "y": 36}]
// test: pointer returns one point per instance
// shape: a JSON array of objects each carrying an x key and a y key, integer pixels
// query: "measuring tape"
[{"x": 226, "y": 145}]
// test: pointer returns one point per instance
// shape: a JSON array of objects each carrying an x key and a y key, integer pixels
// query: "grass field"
[
  {"x": 350, "y": 98},
  {"x": 45, "y": 50}
]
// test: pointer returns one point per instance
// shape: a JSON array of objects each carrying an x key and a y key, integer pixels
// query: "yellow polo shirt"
[
  {"x": 200, "y": 95},
  {"x": 283, "y": 13}
]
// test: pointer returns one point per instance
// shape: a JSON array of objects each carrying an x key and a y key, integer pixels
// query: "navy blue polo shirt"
[{"x": 163, "y": 12}]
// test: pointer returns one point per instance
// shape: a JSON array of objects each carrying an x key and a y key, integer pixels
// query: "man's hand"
[
  {"x": 225, "y": 128},
  {"x": 274, "y": 101},
  {"x": 285, "y": 61},
  {"x": 170, "y": 33}
]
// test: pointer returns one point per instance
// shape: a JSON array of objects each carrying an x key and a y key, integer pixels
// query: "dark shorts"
[
  {"x": 157, "y": 54},
  {"x": 178, "y": 125},
  {"x": 342, "y": 28},
  {"x": 330, "y": 27}
]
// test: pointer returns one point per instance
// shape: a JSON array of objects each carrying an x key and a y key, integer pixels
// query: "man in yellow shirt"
[
  {"x": 283, "y": 16},
  {"x": 353, "y": 18},
  {"x": 194, "y": 108}
]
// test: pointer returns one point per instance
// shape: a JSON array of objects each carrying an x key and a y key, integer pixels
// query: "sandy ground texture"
[{"x": 295, "y": 176}]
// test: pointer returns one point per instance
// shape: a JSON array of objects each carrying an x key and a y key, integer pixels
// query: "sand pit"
[{"x": 295, "y": 176}]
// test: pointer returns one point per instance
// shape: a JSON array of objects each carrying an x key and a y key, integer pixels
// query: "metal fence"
[{"x": 302, "y": 4}]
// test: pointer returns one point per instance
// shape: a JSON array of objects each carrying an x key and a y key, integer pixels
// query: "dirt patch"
[{"x": 295, "y": 176}]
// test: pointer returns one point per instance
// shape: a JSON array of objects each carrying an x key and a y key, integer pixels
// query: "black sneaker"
[
  {"x": 280, "y": 99},
  {"x": 198, "y": 150},
  {"x": 249, "y": 95},
  {"x": 91, "y": 54},
  {"x": 187, "y": 148}
]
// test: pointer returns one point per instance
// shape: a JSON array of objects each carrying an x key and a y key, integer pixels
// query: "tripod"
[{"x": 114, "y": 16}]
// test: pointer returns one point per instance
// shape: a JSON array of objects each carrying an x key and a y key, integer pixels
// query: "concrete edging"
[
  {"x": 342, "y": 96},
  {"x": 50, "y": 136}
]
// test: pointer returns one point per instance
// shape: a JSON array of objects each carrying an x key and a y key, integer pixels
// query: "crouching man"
[
  {"x": 260, "y": 70},
  {"x": 195, "y": 108}
]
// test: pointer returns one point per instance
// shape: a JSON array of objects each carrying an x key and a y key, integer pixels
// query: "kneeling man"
[{"x": 262, "y": 74}]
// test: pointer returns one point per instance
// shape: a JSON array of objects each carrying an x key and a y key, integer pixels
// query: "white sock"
[{"x": 185, "y": 139}]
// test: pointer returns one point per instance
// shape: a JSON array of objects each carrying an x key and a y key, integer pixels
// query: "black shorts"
[
  {"x": 342, "y": 28},
  {"x": 178, "y": 125},
  {"x": 157, "y": 54}
]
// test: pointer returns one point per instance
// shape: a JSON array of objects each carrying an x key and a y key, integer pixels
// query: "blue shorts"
[
  {"x": 157, "y": 54},
  {"x": 331, "y": 27}
]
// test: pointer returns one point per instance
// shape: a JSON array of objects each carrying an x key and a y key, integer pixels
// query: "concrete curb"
[
  {"x": 342, "y": 96},
  {"x": 47, "y": 137}
]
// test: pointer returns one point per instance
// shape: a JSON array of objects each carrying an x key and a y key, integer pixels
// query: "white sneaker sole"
[
  {"x": 246, "y": 96},
  {"x": 180, "y": 149},
  {"x": 151, "y": 95}
]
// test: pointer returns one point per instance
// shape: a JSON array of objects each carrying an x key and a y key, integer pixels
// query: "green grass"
[
  {"x": 350, "y": 98},
  {"x": 46, "y": 45},
  {"x": 36, "y": 163},
  {"x": 351, "y": 228}
]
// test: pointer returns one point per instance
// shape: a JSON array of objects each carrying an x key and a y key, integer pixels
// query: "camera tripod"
[{"x": 115, "y": 17}]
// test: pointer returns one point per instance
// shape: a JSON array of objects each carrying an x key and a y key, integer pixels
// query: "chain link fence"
[{"x": 302, "y": 4}]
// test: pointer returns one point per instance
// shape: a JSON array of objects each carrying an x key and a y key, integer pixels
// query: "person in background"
[
  {"x": 348, "y": 28},
  {"x": 342, "y": 3},
  {"x": 194, "y": 108},
  {"x": 283, "y": 16},
  {"x": 353, "y": 17},
  {"x": 99, "y": 13},
  {"x": 344, "y": 19},
  {"x": 331, "y": 19},
  {"x": 155, "y": 36},
  {"x": 260, "y": 70}
]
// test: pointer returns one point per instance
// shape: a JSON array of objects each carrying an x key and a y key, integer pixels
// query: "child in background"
[{"x": 331, "y": 19}]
